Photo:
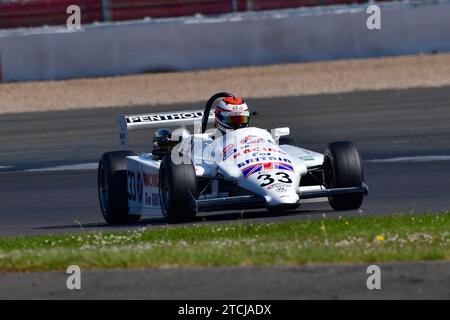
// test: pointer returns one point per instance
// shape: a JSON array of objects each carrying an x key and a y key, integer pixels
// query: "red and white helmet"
[{"x": 231, "y": 113}]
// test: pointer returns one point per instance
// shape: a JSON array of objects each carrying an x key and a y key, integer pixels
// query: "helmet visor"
[
  {"x": 234, "y": 119},
  {"x": 237, "y": 120}
]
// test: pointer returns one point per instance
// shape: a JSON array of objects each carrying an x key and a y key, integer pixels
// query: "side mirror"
[{"x": 280, "y": 132}]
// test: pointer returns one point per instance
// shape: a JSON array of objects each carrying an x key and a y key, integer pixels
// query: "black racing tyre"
[
  {"x": 287, "y": 140},
  {"x": 113, "y": 189},
  {"x": 342, "y": 168},
  {"x": 175, "y": 183}
]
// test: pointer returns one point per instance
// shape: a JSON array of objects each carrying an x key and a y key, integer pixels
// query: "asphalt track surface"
[
  {"x": 383, "y": 124},
  {"x": 398, "y": 281}
]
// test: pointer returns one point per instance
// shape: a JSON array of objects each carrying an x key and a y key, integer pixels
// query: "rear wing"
[{"x": 158, "y": 120}]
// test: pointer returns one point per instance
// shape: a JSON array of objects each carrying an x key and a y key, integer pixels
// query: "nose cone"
[{"x": 286, "y": 201}]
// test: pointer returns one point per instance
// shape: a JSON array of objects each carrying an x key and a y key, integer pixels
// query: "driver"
[{"x": 231, "y": 114}]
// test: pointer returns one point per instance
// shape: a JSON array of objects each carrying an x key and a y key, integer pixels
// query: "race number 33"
[{"x": 279, "y": 176}]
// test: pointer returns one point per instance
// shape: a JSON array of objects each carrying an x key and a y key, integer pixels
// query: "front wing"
[{"x": 257, "y": 202}]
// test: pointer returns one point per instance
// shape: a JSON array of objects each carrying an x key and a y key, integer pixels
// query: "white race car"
[{"x": 247, "y": 168}]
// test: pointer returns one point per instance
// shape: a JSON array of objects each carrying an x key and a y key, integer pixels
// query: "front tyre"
[
  {"x": 176, "y": 181},
  {"x": 112, "y": 188},
  {"x": 342, "y": 168}
]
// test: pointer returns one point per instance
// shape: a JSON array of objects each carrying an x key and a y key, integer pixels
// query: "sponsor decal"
[
  {"x": 248, "y": 138},
  {"x": 152, "y": 199},
  {"x": 236, "y": 155},
  {"x": 151, "y": 179},
  {"x": 251, "y": 139},
  {"x": 262, "y": 150},
  {"x": 279, "y": 187},
  {"x": 261, "y": 154},
  {"x": 258, "y": 167},
  {"x": 261, "y": 159},
  {"x": 164, "y": 117},
  {"x": 228, "y": 151},
  {"x": 136, "y": 183},
  {"x": 239, "y": 107}
]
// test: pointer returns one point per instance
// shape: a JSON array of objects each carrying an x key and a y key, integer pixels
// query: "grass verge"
[{"x": 344, "y": 240}]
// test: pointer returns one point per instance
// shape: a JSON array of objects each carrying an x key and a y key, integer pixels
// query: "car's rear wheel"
[
  {"x": 112, "y": 188},
  {"x": 342, "y": 168},
  {"x": 176, "y": 181}
]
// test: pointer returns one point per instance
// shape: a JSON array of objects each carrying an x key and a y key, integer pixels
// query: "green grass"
[{"x": 344, "y": 240}]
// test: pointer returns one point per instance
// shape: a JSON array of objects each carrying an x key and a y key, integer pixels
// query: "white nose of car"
[{"x": 289, "y": 198}]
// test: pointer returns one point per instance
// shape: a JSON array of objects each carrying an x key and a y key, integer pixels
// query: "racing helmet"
[{"x": 231, "y": 114}]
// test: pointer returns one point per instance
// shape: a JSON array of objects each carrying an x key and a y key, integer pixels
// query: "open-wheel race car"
[{"x": 211, "y": 170}]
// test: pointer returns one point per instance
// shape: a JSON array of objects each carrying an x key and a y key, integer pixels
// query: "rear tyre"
[
  {"x": 342, "y": 168},
  {"x": 112, "y": 188},
  {"x": 175, "y": 183}
]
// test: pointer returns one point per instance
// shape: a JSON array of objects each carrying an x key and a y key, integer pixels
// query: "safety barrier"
[
  {"x": 232, "y": 40},
  {"x": 31, "y": 13}
]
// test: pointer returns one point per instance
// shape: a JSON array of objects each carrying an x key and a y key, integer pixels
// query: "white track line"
[
  {"x": 412, "y": 159},
  {"x": 81, "y": 166},
  {"x": 94, "y": 165}
]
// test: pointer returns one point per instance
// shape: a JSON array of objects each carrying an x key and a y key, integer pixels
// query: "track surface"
[
  {"x": 398, "y": 281},
  {"x": 382, "y": 124}
]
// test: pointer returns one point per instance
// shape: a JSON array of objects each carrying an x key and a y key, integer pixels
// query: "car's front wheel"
[
  {"x": 342, "y": 168},
  {"x": 112, "y": 188}
]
